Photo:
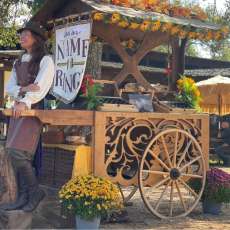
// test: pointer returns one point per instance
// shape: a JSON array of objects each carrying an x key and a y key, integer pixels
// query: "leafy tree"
[
  {"x": 35, "y": 5},
  {"x": 219, "y": 50},
  {"x": 8, "y": 14}
]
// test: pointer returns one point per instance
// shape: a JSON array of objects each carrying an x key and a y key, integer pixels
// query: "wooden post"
[
  {"x": 93, "y": 65},
  {"x": 1, "y": 88},
  {"x": 178, "y": 61}
]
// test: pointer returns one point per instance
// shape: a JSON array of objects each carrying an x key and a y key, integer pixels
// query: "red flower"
[{"x": 87, "y": 82}]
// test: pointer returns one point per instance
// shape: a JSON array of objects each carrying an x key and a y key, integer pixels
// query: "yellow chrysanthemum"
[
  {"x": 156, "y": 26},
  {"x": 98, "y": 16},
  {"x": 115, "y": 18},
  {"x": 123, "y": 24},
  {"x": 134, "y": 25}
]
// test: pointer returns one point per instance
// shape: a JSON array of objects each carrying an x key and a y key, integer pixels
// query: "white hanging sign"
[{"x": 71, "y": 52}]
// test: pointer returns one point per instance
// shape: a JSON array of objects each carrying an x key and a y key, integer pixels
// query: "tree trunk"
[
  {"x": 93, "y": 65},
  {"x": 178, "y": 61}
]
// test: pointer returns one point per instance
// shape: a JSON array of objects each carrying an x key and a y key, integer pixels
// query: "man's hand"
[
  {"x": 19, "y": 107},
  {"x": 30, "y": 88}
]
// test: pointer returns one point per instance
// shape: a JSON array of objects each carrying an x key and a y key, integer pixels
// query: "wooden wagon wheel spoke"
[
  {"x": 180, "y": 196},
  {"x": 175, "y": 150},
  {"x": 184, "y": 153},
  {"x": 162, "y": 194},
  {"x": 190, "y": 163},
  {"x": 159, "y": 161},
  {"x": 191, "y": 175},
  {"x": 171, "y": 199},
  {"x": 160, "y": 183},
  {"x": 156, "y": 172},
  {"x": 153, "y": 192},
  {"x": 188, "y": 188},
  {"x": 166, "y": 151}
]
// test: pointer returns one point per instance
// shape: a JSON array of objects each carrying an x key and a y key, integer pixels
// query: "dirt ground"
[{"x": 47, "y": 216}]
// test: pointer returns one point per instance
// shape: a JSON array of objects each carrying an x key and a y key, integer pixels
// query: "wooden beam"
[
  {"x": 1, "y": 88},
  {"x": 59, "y": 117}
]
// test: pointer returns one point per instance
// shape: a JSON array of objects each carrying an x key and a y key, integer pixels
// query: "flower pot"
[
  {"x": 87, "y": 224},
  {"x": 211, "y": 207}
]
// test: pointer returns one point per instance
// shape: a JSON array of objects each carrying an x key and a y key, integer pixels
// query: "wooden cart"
[{"x": 161, "y": 154}]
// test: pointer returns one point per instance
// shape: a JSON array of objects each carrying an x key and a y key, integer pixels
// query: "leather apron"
[{"x": 24, "y": 132}]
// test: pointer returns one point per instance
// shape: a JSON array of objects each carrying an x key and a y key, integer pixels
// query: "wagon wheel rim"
[{"x": 175, "y": 174}]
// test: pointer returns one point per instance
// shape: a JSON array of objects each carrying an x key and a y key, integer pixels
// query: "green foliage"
[
  {"x": 89, "y": 90},
  {"x": 91, "y": 97},
  {"x": 188, "y": 93},
  {"x": 8, "y": 37},
  {"x": 217, "y": 186},
  {"x": 36, "y": 5},
  {"x": 219, "y": 50}
]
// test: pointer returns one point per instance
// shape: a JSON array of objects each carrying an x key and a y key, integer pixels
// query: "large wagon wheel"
[{"x": 171, "y": 166}]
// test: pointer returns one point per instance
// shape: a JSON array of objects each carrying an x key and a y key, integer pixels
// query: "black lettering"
[
  {"x": 60, "y": 52},
  {"x": 59, "y": 81},
  {"x": 75, "y": 46},
  {"x": 85, "y": 44}
]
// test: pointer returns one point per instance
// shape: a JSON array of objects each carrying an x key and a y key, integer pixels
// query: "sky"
[{"x": 220, "y": 3}]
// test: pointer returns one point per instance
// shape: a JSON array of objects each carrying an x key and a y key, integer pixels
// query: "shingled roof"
[{"x": 147, "y": 15}]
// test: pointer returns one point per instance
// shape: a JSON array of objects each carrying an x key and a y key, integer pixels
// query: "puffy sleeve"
[
  {"x": 12, "y": 88},
  {"x": 44, "y": 80}
]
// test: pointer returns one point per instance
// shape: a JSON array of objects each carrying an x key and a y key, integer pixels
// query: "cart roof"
[
  {"x": 191, "y": 28},
  {"x": 52, "y": 10}
]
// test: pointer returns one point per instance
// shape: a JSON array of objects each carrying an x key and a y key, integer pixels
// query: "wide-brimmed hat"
[{"x": 35, "y": 28}]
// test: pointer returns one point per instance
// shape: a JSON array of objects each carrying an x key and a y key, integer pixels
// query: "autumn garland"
[
  {"x": 173, "y": 29},
  {"x": 163, "y": 7}
]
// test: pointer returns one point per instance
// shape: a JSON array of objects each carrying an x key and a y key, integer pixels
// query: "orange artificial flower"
[
  {"x": 166, "y": 26},
  {"x": 183, "y": 34},
  {"x": 175, "y": 30},
  {"x": 156, "y": 26},
  {"x": 192, "y": 35},
  {"x": 145, "y": 25}
]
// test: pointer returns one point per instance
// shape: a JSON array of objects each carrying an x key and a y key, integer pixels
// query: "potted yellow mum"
[{"x": 89, "y": 198}]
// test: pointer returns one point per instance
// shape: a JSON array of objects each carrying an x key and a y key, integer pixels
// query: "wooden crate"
[{"x": 57, "y": 166}]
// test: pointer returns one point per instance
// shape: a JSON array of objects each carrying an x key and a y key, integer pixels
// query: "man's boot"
[
  {"x": 35, "y": 194},
  {"x": 22, "y": 196}
]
